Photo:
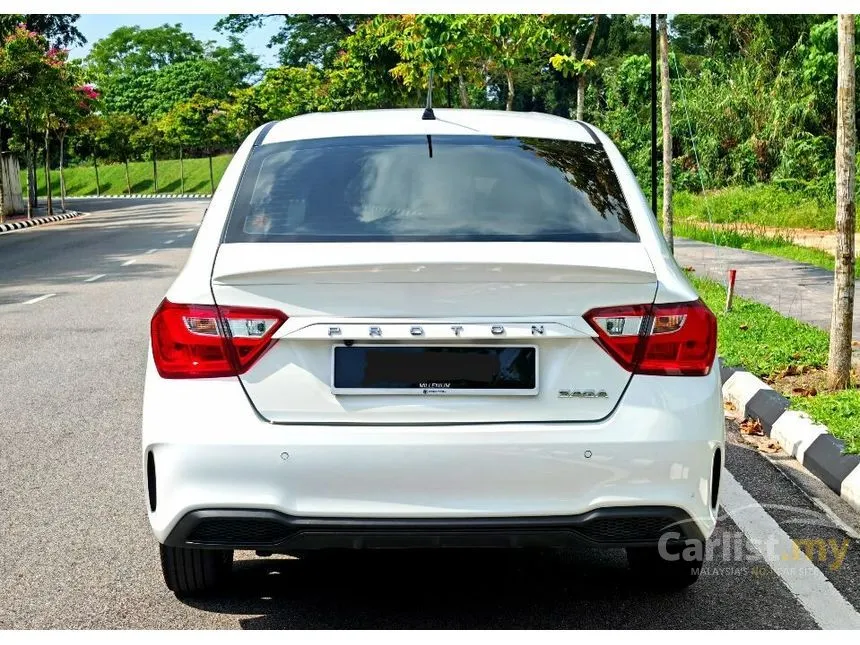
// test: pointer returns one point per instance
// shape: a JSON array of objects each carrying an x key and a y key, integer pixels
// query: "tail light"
[
  {"x": 196, "y": 341},
  {"x": 668, "y": 340}
]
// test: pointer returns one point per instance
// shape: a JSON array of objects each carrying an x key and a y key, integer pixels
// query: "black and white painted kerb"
[
  {"x": 808, "y": 442},
  {"x": 8, "y": 227}
]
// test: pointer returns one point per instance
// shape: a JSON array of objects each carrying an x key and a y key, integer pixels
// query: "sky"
[{"x": 96, "y": 26}]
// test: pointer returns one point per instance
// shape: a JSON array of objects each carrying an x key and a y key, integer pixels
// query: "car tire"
[
  {"x": 656, "y": 571},
  {"x": 195, "y": 571}
]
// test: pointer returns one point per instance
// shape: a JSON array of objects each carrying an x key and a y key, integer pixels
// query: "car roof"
[{"x": 323, "y": 125}]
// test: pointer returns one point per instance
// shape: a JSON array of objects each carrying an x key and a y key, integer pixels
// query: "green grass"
[
  {"x": 766, "y": 343},
  {"x": 839, "y": 411},
  {"x": 762, "y": 340},
  {"x": 751, "y": 240},
  {"x": 761, "y": 205},
  {"x": 81, "y": 180}
]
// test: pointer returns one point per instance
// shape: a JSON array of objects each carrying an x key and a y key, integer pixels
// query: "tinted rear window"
[{"x": 441, "y": 188}]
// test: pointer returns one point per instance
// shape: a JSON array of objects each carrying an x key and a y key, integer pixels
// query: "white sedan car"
[{"x": 406, "y": 332}]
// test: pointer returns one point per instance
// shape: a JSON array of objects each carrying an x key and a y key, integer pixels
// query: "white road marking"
[
  {"x": 809, "y": 585},
  {"x": 95, "y": 277},
  {"x": 127, "y": 262},
  {"x": 33, "y": 301},
  {"x": 151, "y": 251},
  {"x": 170, "y": 241}
]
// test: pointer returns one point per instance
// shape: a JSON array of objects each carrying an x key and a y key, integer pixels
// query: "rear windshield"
[{"x": 429, "y": 188}]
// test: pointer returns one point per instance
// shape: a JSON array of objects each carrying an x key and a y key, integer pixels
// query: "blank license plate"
[{"x": 406, "y": 369}]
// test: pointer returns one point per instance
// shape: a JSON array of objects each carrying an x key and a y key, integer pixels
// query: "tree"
[
  {"x": 119, "y": 140},
  {"x": 508, "y": 40},
  {"x": 303, "y": 39},
  {"x": 32, "y": 80},
  {"x": 130, "y": 51},
  {"x": 58, "y": 28},
  {"x": 149, "y": 137},
  {"x": 575, "y": 64},
  {"x": 839, "y": 358},
  {"x": 666, "y": 105},
  {"x": 89, "y": 142}
]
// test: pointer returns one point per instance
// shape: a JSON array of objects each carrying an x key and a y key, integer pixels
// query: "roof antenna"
[{"x": 428, "y": 109}]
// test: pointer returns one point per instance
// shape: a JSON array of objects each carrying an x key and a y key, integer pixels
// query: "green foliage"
[
  {"x": 839, "y": 411},
  {"x": 57, "y": 28},
  {"x": 129, "y": 51}
]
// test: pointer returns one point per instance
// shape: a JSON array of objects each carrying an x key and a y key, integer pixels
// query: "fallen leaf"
[
  {"x": 690, "y": 269},
  {"x": 855, "y": 343},
  {"x": 804, "y": 391},
  {"x": 729, "y": 406},
  {"x": 752, "y": 427},
  {"x": 768, "y": 446},
  {"x": 744, "y": 327}
]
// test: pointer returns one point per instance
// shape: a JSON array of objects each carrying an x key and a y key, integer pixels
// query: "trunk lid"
[{"x": 380, "y": 293}]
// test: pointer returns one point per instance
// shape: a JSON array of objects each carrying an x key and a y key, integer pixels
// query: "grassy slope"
[
  {"x": 762, "y": 205},
  {"x": 766, "y": 343},
  {"x": 81, "y": 180}
]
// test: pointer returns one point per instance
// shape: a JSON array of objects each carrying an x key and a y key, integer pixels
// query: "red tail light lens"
[
  {"x": 197, "y": 341},
  {"x": 667, "y": 340}
]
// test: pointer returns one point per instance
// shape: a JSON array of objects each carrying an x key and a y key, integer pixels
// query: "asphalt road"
[{"x": 75, "y": 546}]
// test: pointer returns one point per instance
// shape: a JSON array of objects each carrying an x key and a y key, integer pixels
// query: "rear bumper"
[
  {"x": 211, "y": 453},
  {"x": 277, "y": 532}
]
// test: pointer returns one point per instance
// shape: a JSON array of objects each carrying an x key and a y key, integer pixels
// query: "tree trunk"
[
  {"x": 181, "y": 172},
  {"x": 211, "y": 177},
  {"x": 666, "y": 106},
  {"x": 127, "y": 178},
  {"x": 580, "y": 97},
  {"x": 839, "y": 358},
  {"x": 580, "y": 84},
  {"x": 48, "y": 196},
  {"x": 509, "y": 75},
  {"x": 32, "y": 181},
  {"x": 154, "y": 171},
  {"x": 464, "y": 94},
  {"x": 98, "y": 183},
  {"x": 62, "y": 176}
]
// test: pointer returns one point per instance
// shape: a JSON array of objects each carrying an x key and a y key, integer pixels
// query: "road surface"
[{"x": 75, "y": 546}]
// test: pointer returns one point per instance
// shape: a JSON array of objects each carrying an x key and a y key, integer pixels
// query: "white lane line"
[
  {"x": 180, "y": 235},
  {"x": 170, "y": 241},
  {"x": 127, "y": 262},
  {"x": 95, "y": 277},
  {"x": 151, "y": 251},
  {"x": 188, "y": 230},
  {"x": 33, "y": 301},
  {"x": 806, "y": 581}
]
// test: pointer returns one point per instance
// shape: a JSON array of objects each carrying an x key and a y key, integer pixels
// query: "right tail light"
[{"x": 668, "y": 340}]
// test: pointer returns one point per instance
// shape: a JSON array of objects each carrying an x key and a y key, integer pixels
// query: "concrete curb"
[
  {"x": 8, "y": 227},
  {"x": 801, "y": 437},
  {"x": 145, "y": 196}
]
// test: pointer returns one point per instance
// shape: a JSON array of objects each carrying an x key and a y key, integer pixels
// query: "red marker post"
[{"x": 730, "y": 292}]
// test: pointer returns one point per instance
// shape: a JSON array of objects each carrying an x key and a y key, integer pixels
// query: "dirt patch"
[
  {"x": 806, "y": 381},
  {"x": 811, "y": 238}
]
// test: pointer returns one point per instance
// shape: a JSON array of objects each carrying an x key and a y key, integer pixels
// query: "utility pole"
[
  {"x": 654, "y": 114},
  {"x": 666, "y": 111}
]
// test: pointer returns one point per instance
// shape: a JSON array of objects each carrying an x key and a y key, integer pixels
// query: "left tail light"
[{"x": 204, "y": 341}]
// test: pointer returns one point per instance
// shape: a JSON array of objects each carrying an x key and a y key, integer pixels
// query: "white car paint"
[{"x": 302, "y": 449}]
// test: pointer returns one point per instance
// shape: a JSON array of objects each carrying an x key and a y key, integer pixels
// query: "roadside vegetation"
[
  {"x": 788, "y": 354},
  {"x": 81, "y": 180}
]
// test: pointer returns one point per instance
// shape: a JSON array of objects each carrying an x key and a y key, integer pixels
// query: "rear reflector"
[
  {"x": 197, "y": 341},
  {"x": 668, "y": 340}
]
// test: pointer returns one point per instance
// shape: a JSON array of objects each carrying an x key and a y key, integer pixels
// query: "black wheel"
[
  {"x": 194, "y": 571},
  {"x": 669, "y": 571}
]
